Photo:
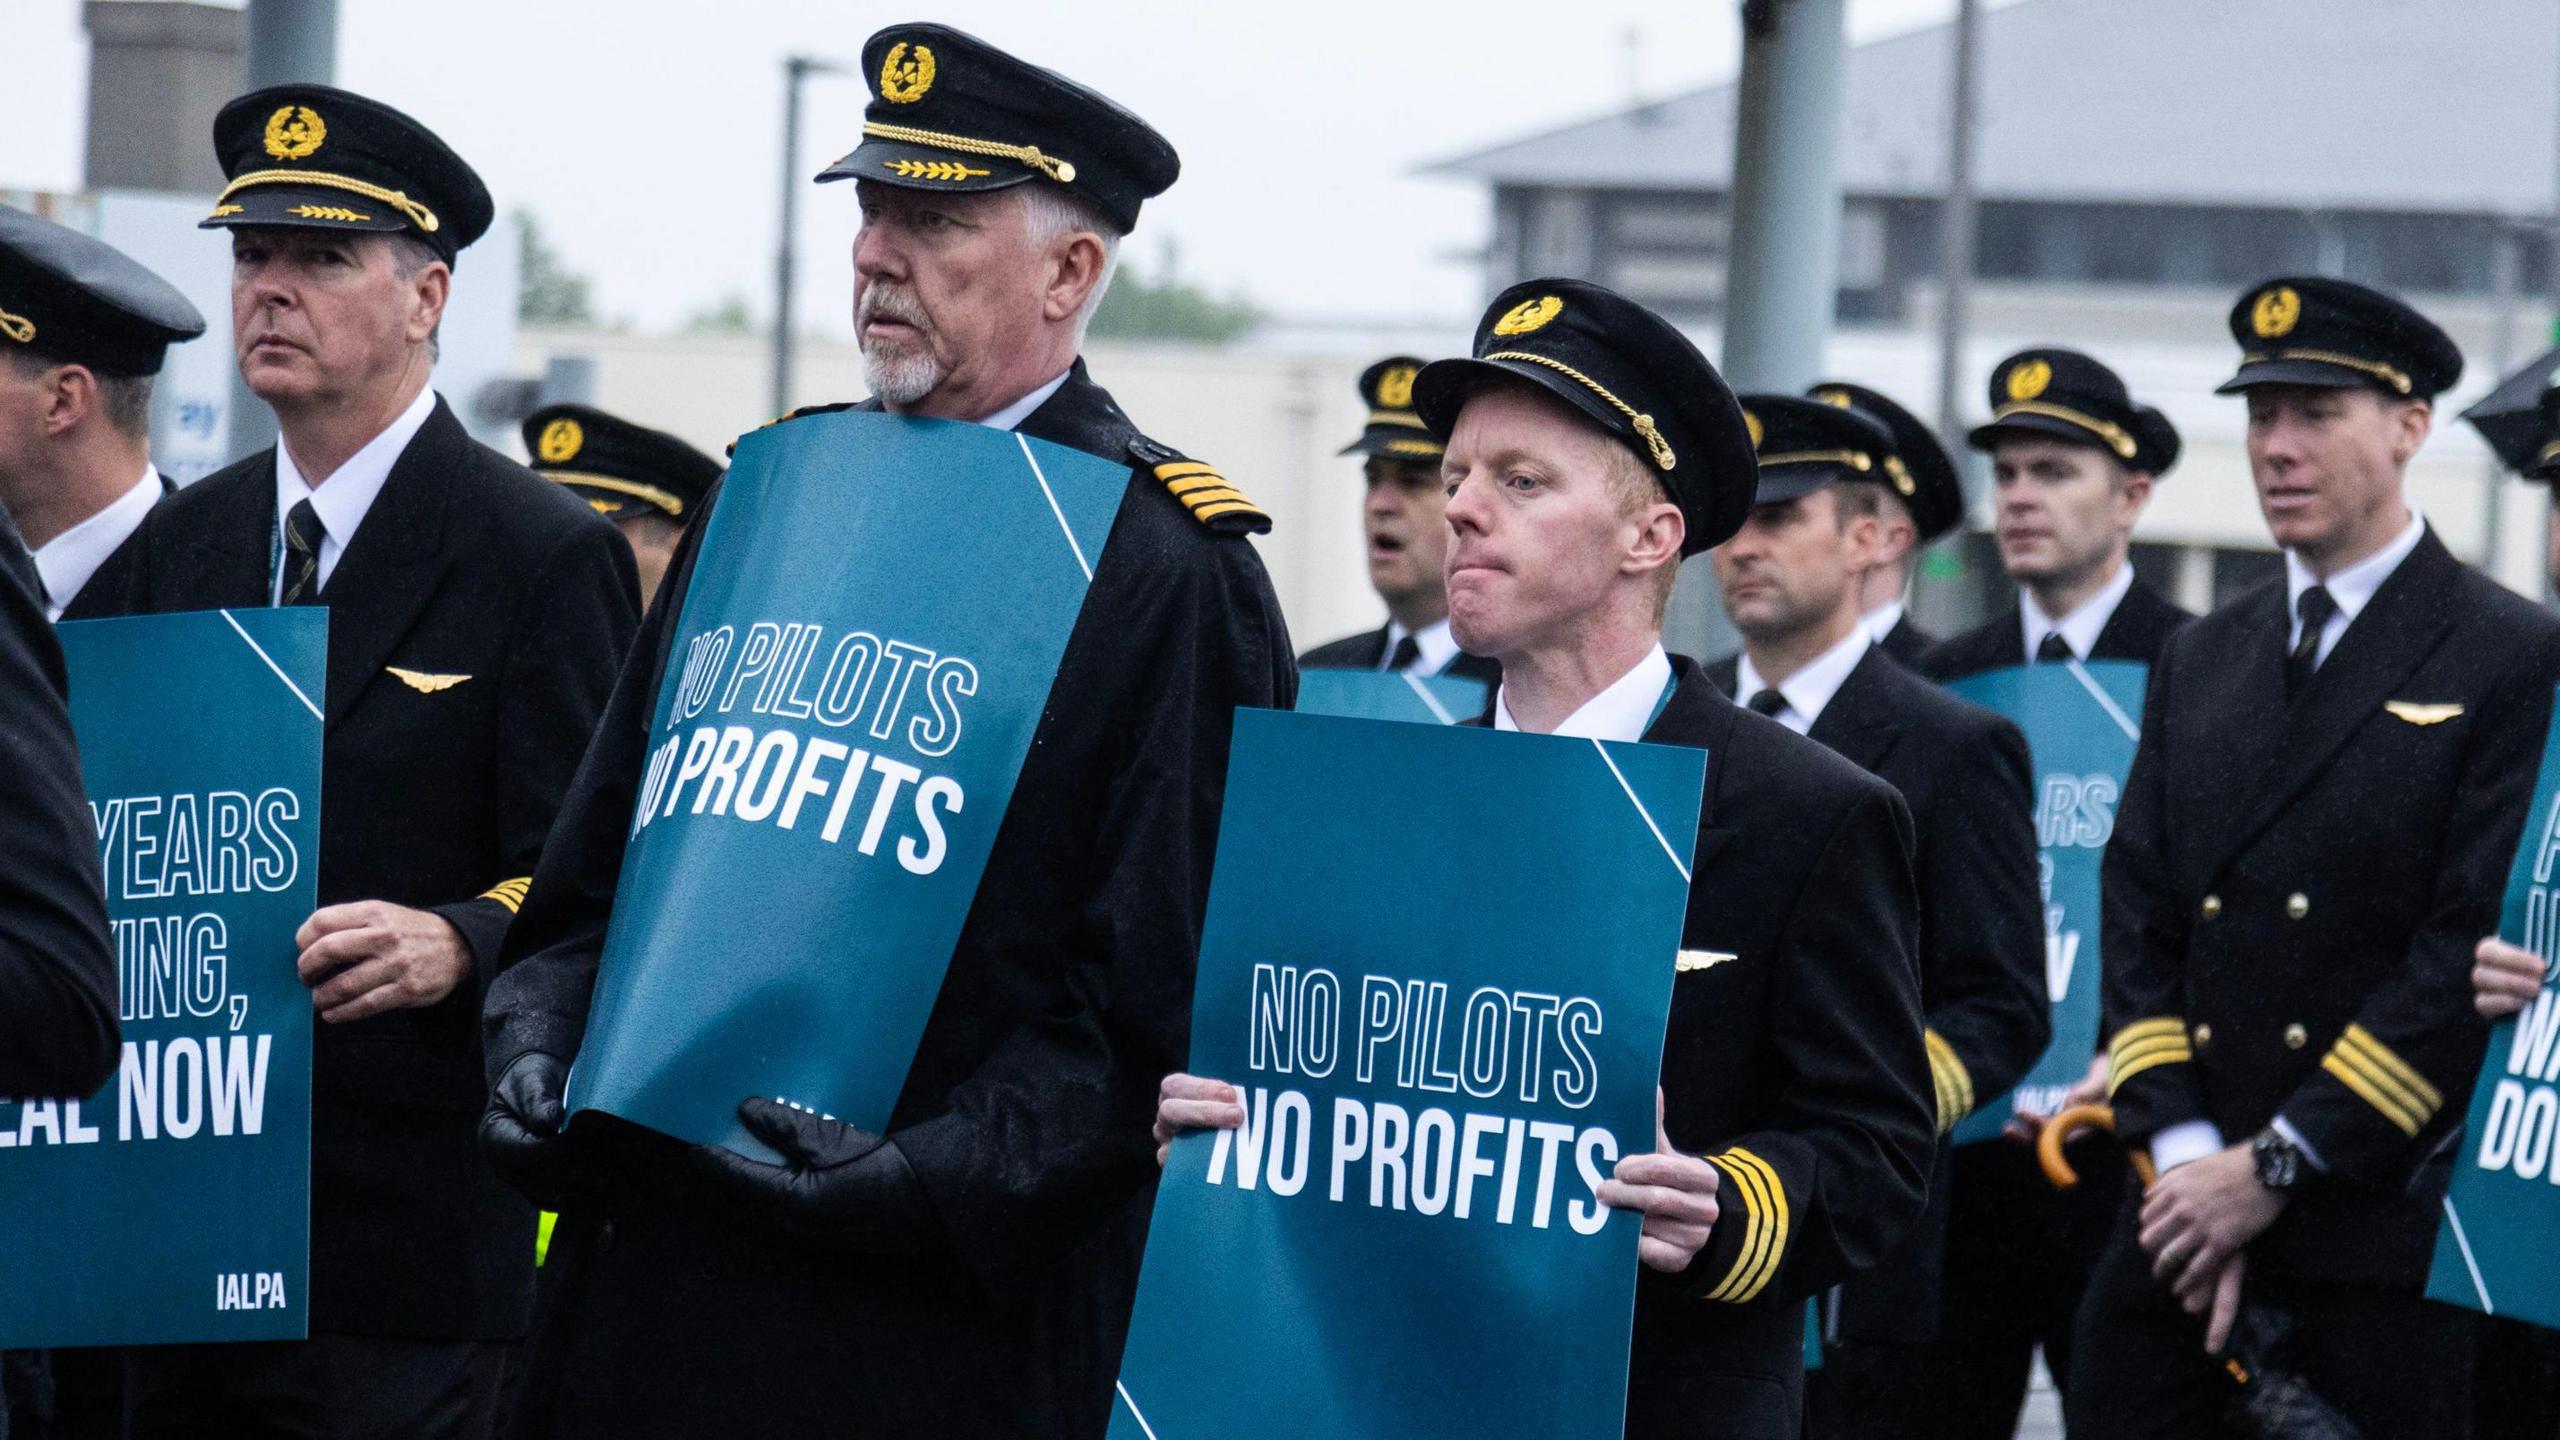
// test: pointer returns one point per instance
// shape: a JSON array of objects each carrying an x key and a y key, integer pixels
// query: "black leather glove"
[
  {"x": 847, "y": 1187},
  {"x": 521, "y": 1131}
]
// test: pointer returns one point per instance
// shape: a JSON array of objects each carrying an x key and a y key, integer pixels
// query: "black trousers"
[
  {"x": 2019, "y": 1255},
  {"x": 329, "y": 1387},
  {"x": 2391, "y": 1361}
]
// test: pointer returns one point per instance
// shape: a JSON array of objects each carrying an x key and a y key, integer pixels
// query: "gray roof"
[{"x": 2421, "y": 105}]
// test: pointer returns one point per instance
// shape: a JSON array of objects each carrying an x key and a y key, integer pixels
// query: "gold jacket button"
[
  {"x": 2295, "y": 1037},
  {"x": 2212, "y": 907},
  {"x": 2297, "y": 904},
  {"x": 2204, "y": 1034}
]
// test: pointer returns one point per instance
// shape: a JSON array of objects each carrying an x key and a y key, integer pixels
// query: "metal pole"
[
  {"x": 1782, "y": 278},
  {"x": 1956, "y": 223},
  {"x": 794, "y": 70},
  {"x": 2506, "y": 283},
  {"x": 290, "y": 41}
]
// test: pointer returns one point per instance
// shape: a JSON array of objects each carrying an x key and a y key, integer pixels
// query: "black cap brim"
[
  {"x": 1782, "y": 483},
  {"x": 301, "y": 207},
  {"x": 2301, "y": 372},
  {"x": 2034, "y": 427},
  {"x": 924, "y": 167},
  {"x": 1418, "y": 448},
  {"x": 1442, "y": 389}
]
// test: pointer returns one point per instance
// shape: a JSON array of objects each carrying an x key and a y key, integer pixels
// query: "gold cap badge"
[
  {"x": 1395, "y": 388},
  {"x": 560, "y": 440},
  {"x": 1836, "y": 397},
  {"x": 906, "y": 73},
  {"x": 2276, "y": 313},
  {"x": 2028, "y": 378},
  {"x": 1751, "y": 423},
  {"x": 295, "y": 132},
  {"x": 1529, "y": 315}
]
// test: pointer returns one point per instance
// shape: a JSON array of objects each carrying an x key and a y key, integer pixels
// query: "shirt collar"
[
  {"x": 1620, "y": 712},
  {"x": 2080, "y": 628},
  {"x": 1433, "y": 642},
  {"x": 1020, "y": 410},
  {"x": 342, "y": 500},
  {"x": 2353, "y": 588},
  {"x": 68, "y": 560},
  {"x": 1880, "y": 621},
  {"x": 1810, "y": 689}
]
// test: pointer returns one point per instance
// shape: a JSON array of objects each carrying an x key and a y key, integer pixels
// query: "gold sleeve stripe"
[
  {"x": 2387, "y": 1061},
  {"x": 2393, "y": 1106},
  {"x": 509, "y": 893},
  {"x": 1954, "y": 1081},
  {"x": 2152, "y": 1029},
  {"x": 2122, "y": 1068},
  {"x": 1755, "y": 1223},
  {"x": 1764, "y": 1241}
]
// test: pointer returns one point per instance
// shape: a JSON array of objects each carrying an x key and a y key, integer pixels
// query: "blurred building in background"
[{"x": 2139, "y": 163}]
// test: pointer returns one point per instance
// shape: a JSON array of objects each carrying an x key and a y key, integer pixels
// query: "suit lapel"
[
  {"x": 1859, "y": 725},
  {"x": 1699, "y": 716},
  {"x": 224, "y": 563},
  {"x": 391, "y": 569},
  {"x": 2012, "y": 640},
  {"x": 2401, "y": 626}
]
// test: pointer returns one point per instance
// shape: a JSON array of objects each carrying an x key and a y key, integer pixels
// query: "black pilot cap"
[
  {"x": 314, "y": 157},
  {"x": 950, "y": 112},
  {"x": 69, "y": 297},
  {"x": 1628, "y": 371}
]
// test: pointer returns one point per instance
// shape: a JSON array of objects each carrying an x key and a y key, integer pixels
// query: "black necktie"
[
  {"x": 302, "y": 536},
  {"x": 2054, "y": 650},
  {"x": 2315, "y": 607},
  {"x": 1408, "y": 654},
  {"x": 1768, "y": 702}
]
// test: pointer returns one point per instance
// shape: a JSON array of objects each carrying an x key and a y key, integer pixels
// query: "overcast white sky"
[{"x": 644, "y": 133}]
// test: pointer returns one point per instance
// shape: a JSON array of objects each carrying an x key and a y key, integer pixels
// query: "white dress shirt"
[
  {"x": 2080, "y": 628},
  {"x": 1620, "y": 712},
  {"x": 1881, "y": 620},
  {"x": 2352, "y": 587},
  {"x": 342, "y": 499},
  {"x": 1810, "y": 688},
  {"x": 1020, "y": 410},
  {"x": 68, "y": 560},
  {"x": 1433, "y": 642}
]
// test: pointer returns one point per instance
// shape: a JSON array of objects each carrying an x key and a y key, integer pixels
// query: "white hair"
[{"x": 1051, "y": 213}]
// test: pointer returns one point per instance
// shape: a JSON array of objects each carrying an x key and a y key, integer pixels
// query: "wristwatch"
[{"x": 2277, "y": 1160}]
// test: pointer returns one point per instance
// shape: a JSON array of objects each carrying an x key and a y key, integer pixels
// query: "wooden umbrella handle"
[{"x": 2058, "y": 1131}]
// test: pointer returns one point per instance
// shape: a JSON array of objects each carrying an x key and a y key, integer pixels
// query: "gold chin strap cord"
[
  {"x": 18, "y": 328},
  {"x": 2115, "y": 436},
  {"x": 419, "y": 215},
  {"x": 1062, "y": 171},
  {"x": 1643, "y": 423}
]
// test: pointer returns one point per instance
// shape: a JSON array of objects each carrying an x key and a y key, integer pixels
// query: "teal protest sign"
[
  {"x": 175, "y": 1204},
  {"x": 1392, "y": 695},
  {"x": 2082, "y": 722},
  {"x": 876, "y": 616},
  {"x": 1438, "y": 963},
  {"x": 2493, "y": 1251}
]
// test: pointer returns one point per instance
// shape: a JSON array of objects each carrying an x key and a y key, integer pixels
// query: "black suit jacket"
[
  {"x": 111, "y": 586},
  {"x": 2139, "y": 628},
  {"x": 1909, "y": 644},
  {"x": 57, "y": 964},
  {"x": 467, "y": 565},
  {"x": 1368, "y": 649},
  {"x": 2292, "y": 895},
  {"x": 1964, "y": 773},
  {"x": 1793, "y": 1063},
  {"x": 1027, "y": 1110}
]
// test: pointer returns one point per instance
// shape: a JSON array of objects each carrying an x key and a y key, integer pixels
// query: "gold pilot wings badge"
[
  {"x": 424, "y": 683},
  {"x": 2417, "y": 714},
  {"x": 1701, "y": 960}
]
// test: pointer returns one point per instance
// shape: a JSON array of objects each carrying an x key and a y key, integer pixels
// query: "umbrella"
[
  {"x": 2272, "y": 1403},
  {"x": 2512, "y": 417}
]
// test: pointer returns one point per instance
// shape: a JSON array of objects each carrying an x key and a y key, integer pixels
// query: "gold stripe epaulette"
[{"x": 1211, "y": 499}]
